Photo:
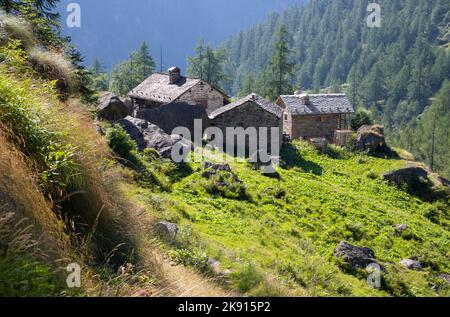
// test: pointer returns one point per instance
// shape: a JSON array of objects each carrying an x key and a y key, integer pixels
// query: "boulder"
[
  {"x": 129, "y": 104},
  {"x": 410, "y": 176},
  {"x": 401, "y": 228},
  {"x": 411, "y": 264},
  {"x": 445, "y": 277},
  {"x": 443, "y": 181},
  {"x": 215, "y": 266},
  {"x": 111, "y": 108},
  {"x": 148, "y": 135},
  {"x": 213, "y": 169},
  {"x": 371, "y": 139},
  {"x": 168, "y": 231},
  {"x": 355, "y": 257}
]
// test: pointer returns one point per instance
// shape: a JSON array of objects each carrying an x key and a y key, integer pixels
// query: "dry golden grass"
[
  {"x": 21, "y": 197},
  {"x": 54, "y": 66},
  {"x": 15, "y": 28}
]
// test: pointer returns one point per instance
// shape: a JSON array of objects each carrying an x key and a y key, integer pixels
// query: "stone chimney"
[
  {"x": 174, "y": 74},
  {"x": 305, "y": 99}
]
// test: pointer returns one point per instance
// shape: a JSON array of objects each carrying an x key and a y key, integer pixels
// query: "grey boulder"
[
  {"x": 111, "y": 108},
  {"x": 411, "y": 264},
  {"x": 355, "y": 257},
  {"x": 409, "y": 176},
  {"x": 148, "y": 135},
  {"x": 166, "y": 230},
  {"x": 370, "y": 138}
]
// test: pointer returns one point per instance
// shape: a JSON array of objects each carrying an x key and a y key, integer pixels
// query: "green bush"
[
  {"x": 120, "y": 142},
  {"x": 248, "y": 278},
  {"x": 362, "y": 117},
  {"x": 223, "y": 184},
  {"x": 187, "y": 257}
]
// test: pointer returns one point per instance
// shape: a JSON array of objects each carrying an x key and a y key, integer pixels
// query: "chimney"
[
  {"x": 174, "y": 74},
  {"x": 305, "y": 99}
]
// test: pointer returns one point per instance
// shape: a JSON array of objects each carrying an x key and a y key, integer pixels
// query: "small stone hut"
[
  {"x": 315, "y": 116},
  {"x": 250, "y": 112},
  {"x": 160, "y": 89}
]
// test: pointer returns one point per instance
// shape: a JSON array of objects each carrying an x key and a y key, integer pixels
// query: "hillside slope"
[
  {"x": 60, "y": 201},
  {"x": 277, "y": 235}
]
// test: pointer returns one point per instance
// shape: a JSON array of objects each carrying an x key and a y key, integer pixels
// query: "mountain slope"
[
  {"x": 393, "y": 70},
  {"x": 277, "y": 234}
]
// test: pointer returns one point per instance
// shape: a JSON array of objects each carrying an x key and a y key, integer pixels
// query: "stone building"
[
  {"x": 315, "y": 116},
  {"x": 175, "y": 114},
  {"x": 160, "y": 89},
  {"x": 250, "y": 112}
]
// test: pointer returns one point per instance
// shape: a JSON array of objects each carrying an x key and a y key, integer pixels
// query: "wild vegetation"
[
  {"x": 71, "y": 195},
  {"x": 276, "y": 235},
  {"x": 60, "y": 201}
]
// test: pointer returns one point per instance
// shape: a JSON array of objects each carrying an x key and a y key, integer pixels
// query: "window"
[{"x": 285, "y": 117}]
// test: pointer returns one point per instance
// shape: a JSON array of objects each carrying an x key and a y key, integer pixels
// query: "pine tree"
[
  {"x": 128, "y": 74},
  {"x": 281, "y": 67},
  {"x": 209, "y": 64},
  {"x": 98, "y": 76}
]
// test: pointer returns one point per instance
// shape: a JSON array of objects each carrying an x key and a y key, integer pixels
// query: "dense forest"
[{"x": 394, "y": 71}]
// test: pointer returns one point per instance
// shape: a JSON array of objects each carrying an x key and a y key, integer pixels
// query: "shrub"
[
  {"x": 334, "y": 151},
  {"x": 223, "y": 184},
  {"x": 187, "y": 257},
  {"x": 248, "y": 278},
  {"x": 120, "y": 142},
  {"x": 362, "y": 117}
]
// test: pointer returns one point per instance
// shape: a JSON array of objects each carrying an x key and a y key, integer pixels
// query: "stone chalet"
[
  {"x": 315, "y": 116},
  {"x": 251, "y": 111},
  {"x": 160, "y": 89}
]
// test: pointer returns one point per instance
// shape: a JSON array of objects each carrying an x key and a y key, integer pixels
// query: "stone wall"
[
  {"x": 174, "y": 115},
  {"x": 247, "y": 116},
  {"x": 203, "y": 92},
  {"x": 307, "y": 127}
]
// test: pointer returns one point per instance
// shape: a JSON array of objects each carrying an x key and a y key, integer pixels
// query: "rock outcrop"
[
  {"x": 410, "y": 176},
  {"x": 211, "y": 169},
  {"x": 111, "y": 108},
  {"x": 353, "y": 256},
  {"x": 168, "y": 231},
  {"x": 371, "y": 139},
  {"x": 148, "y": 135},
  {"x": 411, "y": 264}
]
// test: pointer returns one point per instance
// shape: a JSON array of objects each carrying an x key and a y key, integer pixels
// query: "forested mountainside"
[{"x": 393, "y": 70}]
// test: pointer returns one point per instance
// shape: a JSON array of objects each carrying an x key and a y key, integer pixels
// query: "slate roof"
[
  {"x": 260, "y": 101},
  {"x": 319, "y": 104},
  {"x": 158, "y": 88}
]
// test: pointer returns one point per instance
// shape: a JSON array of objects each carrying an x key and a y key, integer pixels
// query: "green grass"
[{"x": 280, "y": 240}]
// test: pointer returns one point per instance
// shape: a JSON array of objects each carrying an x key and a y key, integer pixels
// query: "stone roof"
[
  {"x": 258, "y": 100},
  {"x": 158, "y": 88},
  {"x": 319, "y": 104}
]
